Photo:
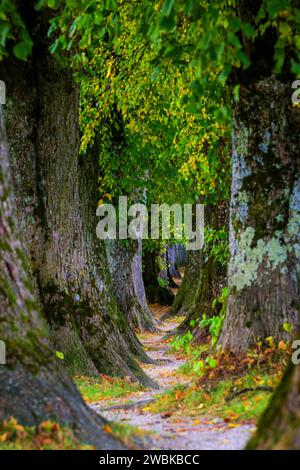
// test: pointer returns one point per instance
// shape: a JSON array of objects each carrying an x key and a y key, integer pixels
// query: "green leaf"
[
  {"x": 40, "y": 4},
  {"x": 3, "y": 34},
  {"x": 167, "y": 23},
  {"x": 243, "y": 58},
  {"x": 234, "y": 24},
  {"x": 234, "y": 40},
  {"x": 248, "y": 30}
]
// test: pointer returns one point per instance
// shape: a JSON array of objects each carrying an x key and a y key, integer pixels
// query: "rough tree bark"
[
  {"x": 33, "y": 386},
  {"x": 56, "y": 200},
  {"x": 279, "y": 427},
  {"x": 264, "y": 222},
  {"x": 156, "y": 292},
  {"x": 265, "y": 228}
]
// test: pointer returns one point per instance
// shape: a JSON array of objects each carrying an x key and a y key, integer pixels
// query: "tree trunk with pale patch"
[
  {"x": 156, "y": 279},
  {"x": 265, "y": 228},
  {"x": 265, "y": 199},
  {"x": 264, "y": 220}
]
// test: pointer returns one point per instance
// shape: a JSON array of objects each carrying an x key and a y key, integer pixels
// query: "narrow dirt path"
[{"x": 186, "y": 433}]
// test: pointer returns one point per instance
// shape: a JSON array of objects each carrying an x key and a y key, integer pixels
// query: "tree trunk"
[
  {"x": 34, "y": 387},
  {"x": 206, "y": 277},
  {"x": 279, "y": 427},
  {"x": 125, "y": 265},
  {"x": 156, "y": 291},
  {"x": 264, "y": 220},
  {"x": 187, "y": 291},
  {"x": 56, "y": 200}
]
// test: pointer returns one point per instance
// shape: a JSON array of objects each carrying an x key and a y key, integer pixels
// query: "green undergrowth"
[
  {"x": 105, "y": 387},
  {"x": 48, "y": 435}
]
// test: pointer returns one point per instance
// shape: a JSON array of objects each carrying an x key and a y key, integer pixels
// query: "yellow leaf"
[
  {"x": 232, "y": 425},
  {"x": 147, "y": 408},
  {"x": 282, "y": 346},
  {"x": 270, "y": 340}
]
